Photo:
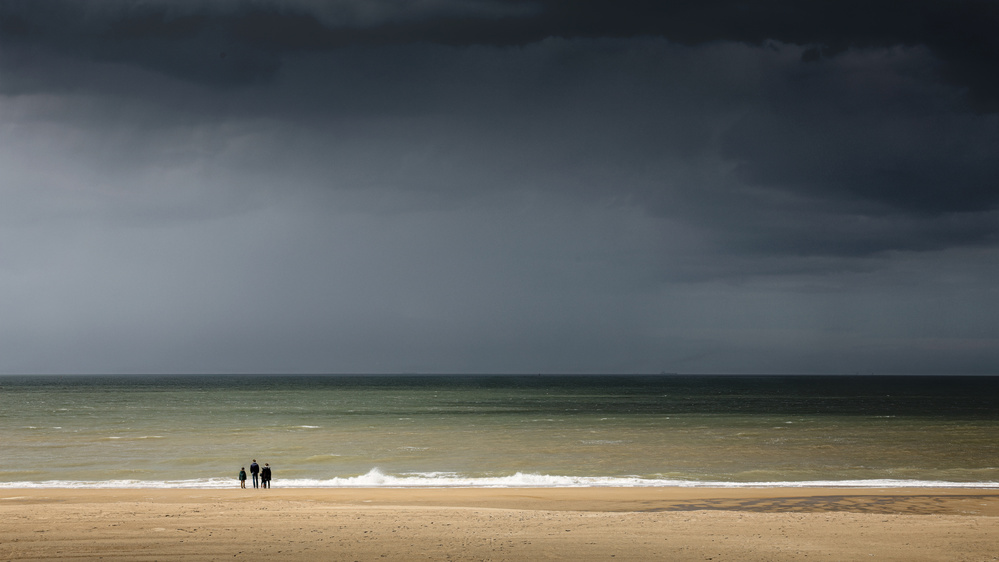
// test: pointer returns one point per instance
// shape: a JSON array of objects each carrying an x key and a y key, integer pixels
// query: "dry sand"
[{"x": 501, "y": 524}]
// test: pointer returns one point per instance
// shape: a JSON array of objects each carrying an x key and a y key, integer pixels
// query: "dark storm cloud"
[
  {"x": 857, "y": 124},
  {"x": 443, "y": 185},
  {"x": 855, "y": 155},
  {"x": 870, "y": 127},
  {"x": 243, "y": 42}
]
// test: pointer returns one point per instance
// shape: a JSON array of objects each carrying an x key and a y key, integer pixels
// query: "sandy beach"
[{"x": 501, "y": 524}]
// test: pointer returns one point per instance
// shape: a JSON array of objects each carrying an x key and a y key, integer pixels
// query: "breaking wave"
[{"x": 377, "y": 479}]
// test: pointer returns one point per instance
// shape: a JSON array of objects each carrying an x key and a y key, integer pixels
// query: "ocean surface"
[{"x": 499, "y": 431}]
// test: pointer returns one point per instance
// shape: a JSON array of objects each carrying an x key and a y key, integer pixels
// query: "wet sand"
[{"x": 501, "y": 524}]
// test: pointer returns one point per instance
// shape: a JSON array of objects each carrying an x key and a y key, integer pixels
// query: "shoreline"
[
  {"x": 375, "y": 479},
  {"x": 500, "y": 523}
]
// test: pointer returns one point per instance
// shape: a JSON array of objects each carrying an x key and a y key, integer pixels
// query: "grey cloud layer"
[{"x": 498, "y": 186}]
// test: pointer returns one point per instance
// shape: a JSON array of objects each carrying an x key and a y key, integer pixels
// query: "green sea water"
[{"x": 197, "y": 431}]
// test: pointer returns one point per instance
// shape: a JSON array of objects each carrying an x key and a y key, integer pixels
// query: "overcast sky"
[{"x": 493, "y": 186}]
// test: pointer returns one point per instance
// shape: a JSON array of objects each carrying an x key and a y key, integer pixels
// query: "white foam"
[{"x": 376, "y": 479}]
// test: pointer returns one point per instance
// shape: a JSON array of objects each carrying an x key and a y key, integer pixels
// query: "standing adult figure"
[
  {"x": 265, "y": 476},
  {"x": 254, "y": 471}
]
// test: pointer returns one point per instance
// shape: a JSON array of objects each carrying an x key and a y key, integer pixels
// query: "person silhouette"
[
  {"x": 265, "y": 476},
  {"x": 254, "y": 471}
]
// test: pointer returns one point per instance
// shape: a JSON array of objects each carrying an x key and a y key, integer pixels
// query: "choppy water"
[{"x": 500, "y": 430}]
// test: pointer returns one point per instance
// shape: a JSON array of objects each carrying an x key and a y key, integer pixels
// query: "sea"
[{"x": 500, "y": 431}]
